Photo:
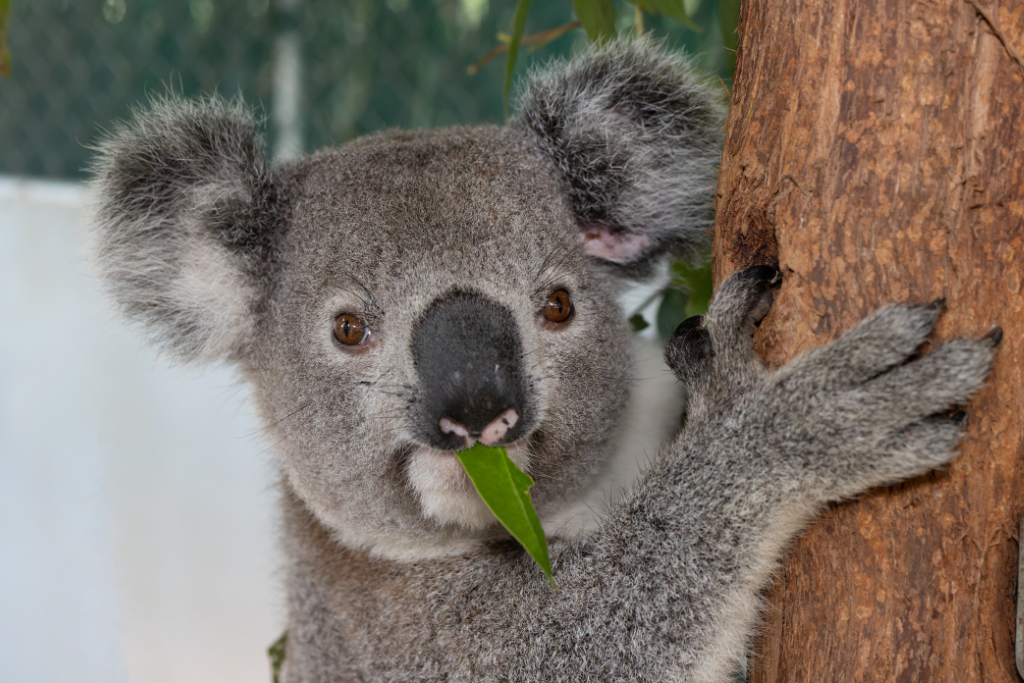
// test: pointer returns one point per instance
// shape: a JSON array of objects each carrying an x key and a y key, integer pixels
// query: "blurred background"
[{"x": 137, "y": 523}]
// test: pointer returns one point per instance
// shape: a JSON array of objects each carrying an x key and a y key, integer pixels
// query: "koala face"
[
  {"x": 398, "y": 298},
  {"x": 445, "y": 247}
]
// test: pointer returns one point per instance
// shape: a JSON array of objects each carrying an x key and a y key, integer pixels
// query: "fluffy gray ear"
[
  {"x": 187, "y": 224},
  {"x": 635, "y": 135}
]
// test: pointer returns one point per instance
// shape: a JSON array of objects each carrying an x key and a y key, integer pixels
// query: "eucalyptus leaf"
[
  {"x": 597, "y": 17},
  {"x": 696, "y": 281},
  {"x": 506, "y": 491},
  {"x": 277, "y": 652},
  {"x": 518, "y": 25},
  {"x": 637, "y": 322},
  {"x": 5, "y": 55},
  {"x": 672, "y": 311}
]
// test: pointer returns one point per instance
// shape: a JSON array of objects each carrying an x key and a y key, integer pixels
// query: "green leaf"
[
  {"x": 597, "y": 17},
  {"x": 5, "y": 55},
  {"x": 697, "y": 282},
  {"x": 276, "y": 652},
  {"x": 673, "y": 9},
  {"x": 672, "y": 311},
  {"x": 506, "y": 490},
  {"x": 728, "y": 18},
  {"x": 518, "y": 25},
  {"x": 638, "y": 323},
  {"x": 687, "y": 296}
]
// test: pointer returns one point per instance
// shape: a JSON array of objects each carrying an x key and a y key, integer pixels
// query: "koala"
[{"x": 405, "y": 295}]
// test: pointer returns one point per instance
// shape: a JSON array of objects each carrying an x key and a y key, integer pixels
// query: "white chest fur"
[{"x": 652, "y": 417}]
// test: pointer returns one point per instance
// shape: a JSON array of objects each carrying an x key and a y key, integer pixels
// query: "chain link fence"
[{"x": 341, "y": 67}]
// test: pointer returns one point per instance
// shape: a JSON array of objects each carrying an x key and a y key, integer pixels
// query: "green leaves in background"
[
  {"x": 518, "y": 24},
  {"x": 728, "y": 18},
  {"x": 597, "y": 17},
  {"x": 673, "y": 9},
  {"x": 697, "y": 282},
  {"x": 5, "y": 55},
  {"x": 276, "y": 652},
  {"x": 506, "y": 490},
  {"x": 687, "y": 296},
  {"x": 672, "y": 311},
  {"x": 637, "y": 322}
]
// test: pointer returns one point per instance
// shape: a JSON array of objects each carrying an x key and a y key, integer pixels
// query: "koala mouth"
[{"x": 446, "y": 493}]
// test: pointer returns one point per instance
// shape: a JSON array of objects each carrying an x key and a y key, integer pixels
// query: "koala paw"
[
  {"x": 858, "y": 413},
  {"x": 854, "y": 414},
  {"x": 721, "y": 342}
]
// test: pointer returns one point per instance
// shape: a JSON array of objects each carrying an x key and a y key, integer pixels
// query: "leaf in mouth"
[{"x": 506, "y": 491}]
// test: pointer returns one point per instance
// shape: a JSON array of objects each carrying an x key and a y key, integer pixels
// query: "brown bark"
[{"x": 875, "y": 150}]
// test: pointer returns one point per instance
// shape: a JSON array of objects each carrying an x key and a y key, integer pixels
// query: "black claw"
[
  {"x": 938, "y": 303},
  {"x": 690, "y": 323},
  {"x": 769, "y": 274},
  {"x": 959, "y": 416},
  {"x": 995, "y": 335}
]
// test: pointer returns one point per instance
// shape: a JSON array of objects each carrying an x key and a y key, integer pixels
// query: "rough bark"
[{"x": 875, "y": 151}]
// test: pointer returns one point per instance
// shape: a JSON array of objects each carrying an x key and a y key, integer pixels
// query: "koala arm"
[{"x": 666, "y": 588}]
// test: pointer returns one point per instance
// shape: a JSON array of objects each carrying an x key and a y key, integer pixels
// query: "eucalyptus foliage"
[{"x": 506, "y": 490}]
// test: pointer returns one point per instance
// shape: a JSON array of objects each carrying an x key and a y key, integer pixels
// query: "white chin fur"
[{"x": 446, "y": 493}]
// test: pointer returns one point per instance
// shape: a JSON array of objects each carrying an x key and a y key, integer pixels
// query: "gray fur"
[
  {"x": 635, "y": 136},
  {"x": 392, "y": 573},
  {"x": 189, "y": 216}
]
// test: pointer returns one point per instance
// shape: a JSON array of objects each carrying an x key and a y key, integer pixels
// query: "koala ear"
[
  {"x": 634, "y": 133},
  {"x": 187, "y": 222}
]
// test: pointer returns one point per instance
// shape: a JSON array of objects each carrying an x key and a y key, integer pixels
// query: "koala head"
[{"x": 402, "y": 296}]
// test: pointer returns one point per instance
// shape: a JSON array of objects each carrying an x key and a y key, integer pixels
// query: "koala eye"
[
  {"x": 558, "y": 308},
  {"x": 350, "y": 330}
]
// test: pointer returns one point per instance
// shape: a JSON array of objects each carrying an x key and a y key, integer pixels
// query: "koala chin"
[{"x": 400, "y": 297}]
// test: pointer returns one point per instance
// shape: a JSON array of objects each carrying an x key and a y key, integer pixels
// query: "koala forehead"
[{"x": 473, "y": 200}]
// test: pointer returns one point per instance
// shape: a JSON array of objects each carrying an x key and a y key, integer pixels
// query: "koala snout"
[
  {"x": 469, "y": 363},
  {"x": 493, "y": 433}
]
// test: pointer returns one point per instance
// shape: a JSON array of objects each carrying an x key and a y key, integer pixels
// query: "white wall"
[{"x": 137, "y": 501}]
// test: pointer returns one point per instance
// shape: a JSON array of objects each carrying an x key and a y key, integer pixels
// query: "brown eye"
[
  {"x": 349, "y": 330},
  {"x": 558, "y": 307}
]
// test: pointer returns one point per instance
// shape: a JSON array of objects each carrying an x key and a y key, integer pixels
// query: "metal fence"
[{"x": 323, "y": 71}]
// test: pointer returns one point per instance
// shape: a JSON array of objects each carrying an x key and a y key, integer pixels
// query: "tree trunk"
[{"x": 875, "y": 152}]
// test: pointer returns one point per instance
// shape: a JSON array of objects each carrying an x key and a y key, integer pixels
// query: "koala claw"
[
  {"x": 876, "y": 412},
  {"x": 743, "y": 301},
  {"x": 769, "y": 274},
  {"x": 861, "y": 413},
  {"x": 716, "y": 350},
  {"x": 994, "y": 336},
  {"x": 879, "y": 342}
]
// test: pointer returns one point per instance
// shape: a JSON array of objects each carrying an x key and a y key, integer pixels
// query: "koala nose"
[
  {"x": 491, "y": 434},
  {"x": 469, "y": 362}
]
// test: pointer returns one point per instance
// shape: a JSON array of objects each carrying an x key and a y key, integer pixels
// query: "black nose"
[{"x": 469, "y": 361}]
